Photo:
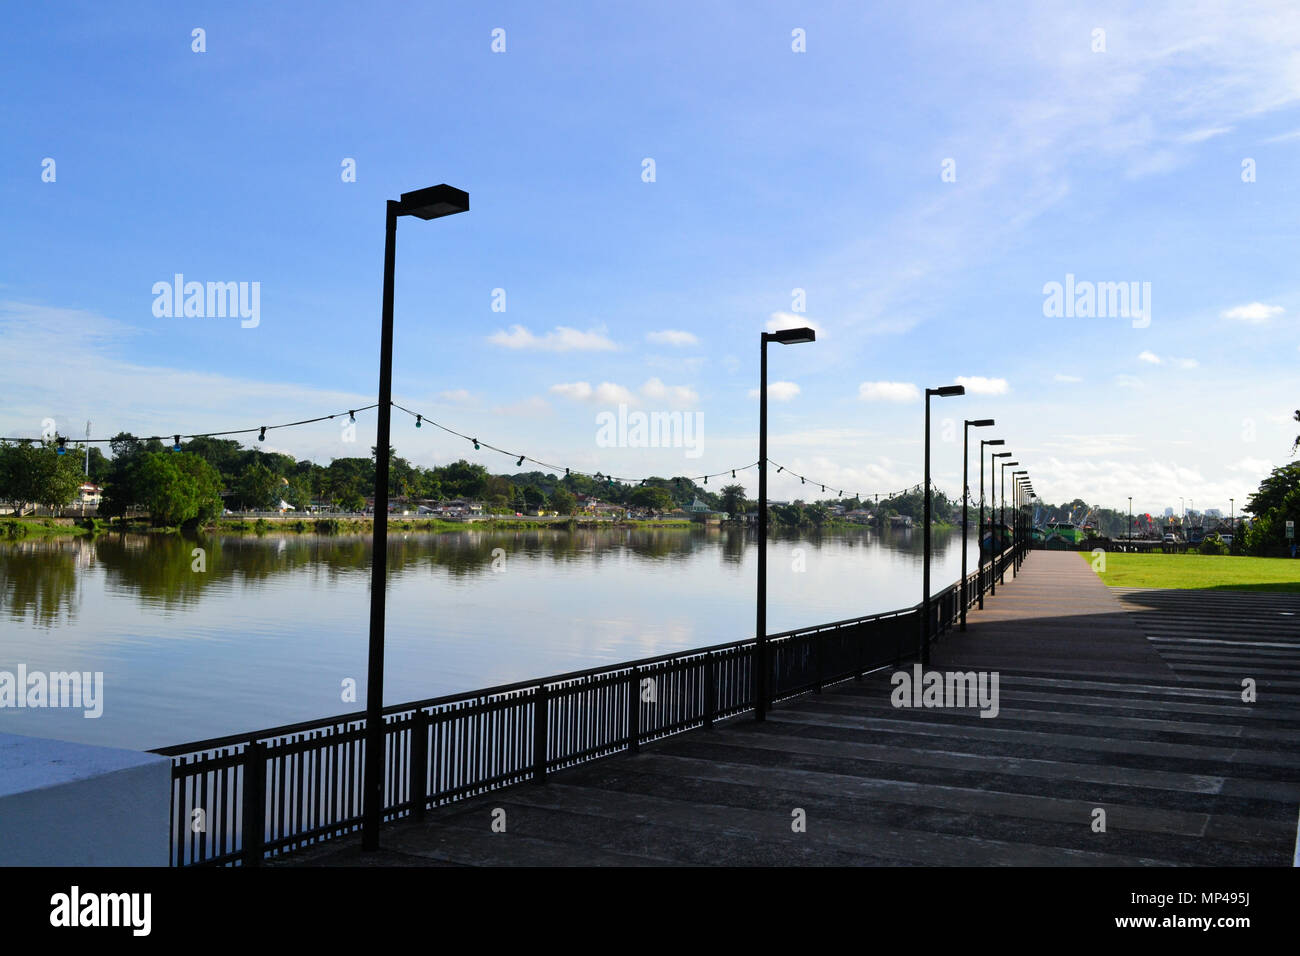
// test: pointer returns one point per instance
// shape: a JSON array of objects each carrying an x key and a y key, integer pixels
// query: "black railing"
[{"x": 302, "y": 782}]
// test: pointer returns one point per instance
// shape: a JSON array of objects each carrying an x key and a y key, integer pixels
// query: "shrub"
[{"x": 1212, "y": 544}]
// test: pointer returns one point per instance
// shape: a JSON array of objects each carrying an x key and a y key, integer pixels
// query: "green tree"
[
  {"x": 563, "y": 501},
  {"x": 647, "y": 498},
  {"x": 35, "y": 473},
  {"x": 733, "y": 499},
  {"x": 177, "y": 488},
  {"x": 258, "y": 488}
]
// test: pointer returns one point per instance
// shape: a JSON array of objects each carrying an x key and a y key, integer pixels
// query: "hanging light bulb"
[
  {"x": 262, "y": 435},
  {"x": 566, "y": 473},
  {"x": 781, "y": 469},
  {"x": 352, "y": 416},
  {"x": 733, "y": 473},
  {"x": 801, "y": 481},
  {"x": 706, "y": 479},
  {"x": 475, "y": 441},
  {"x": 176, "y": 444},
  {"x": 61, "y": 450},
  {"x": 520, "y": 461},
  {"x": 418, "y": 419}
]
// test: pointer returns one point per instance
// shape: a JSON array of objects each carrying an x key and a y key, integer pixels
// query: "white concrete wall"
[{"x": 66, "y": 804}]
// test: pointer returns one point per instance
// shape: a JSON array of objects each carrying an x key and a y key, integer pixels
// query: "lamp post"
[
  {"x": 1232, "y": 523},
  {"x": 1002, "y": 521},
  {"x": 980, "y": 538},
  {"x": 784, "y": 337},
  {"x": 431, "y": 203},
  {"x": 965, "y": 497},
  {"x": 945, "y": 391},
  {"x": 1016, "y": 478},
  {"x": 994, "y": 540}
]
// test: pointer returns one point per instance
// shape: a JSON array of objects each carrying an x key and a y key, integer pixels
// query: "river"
[{"x": 272, "y": 628}]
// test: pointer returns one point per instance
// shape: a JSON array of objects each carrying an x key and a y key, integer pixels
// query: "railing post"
[
  {"x": 254, "y": 802},
  {"x": 419, "y": 787},
  {"x": 710, "y": 689},
  {"x": 540, "y": 700},
  {"x": 817, "y": 662},
  {"x": 634, "y": 710},
  {"x": 862, "y": 652}
]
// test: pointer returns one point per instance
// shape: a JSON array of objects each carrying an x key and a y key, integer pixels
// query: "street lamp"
[
  {"x": 1232, "y": 523},
  {"x": 965, "y": 497},
  {"x": 784, "y": 337},
  {"x": 980, "y": 534},
  {"x": 1016, "y": 478},
  {"x": 993, "y": 512},
  {"x": 1002, "y": 521},
  {"x": 431, "y": 203},
  {"x": 946, "y": 391}
]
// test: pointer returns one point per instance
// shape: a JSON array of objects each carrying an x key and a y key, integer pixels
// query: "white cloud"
[
  {"x": 609, "y": 393},
  {"x": 1149, "y": 357},
  {"x": 1201, "y": 135},
  {"x": 1256, "y": 313},
  {"x": 778, "y": 391},
  {"x": 1186, "y": 362},
  {"x": 1058, "y": 377},
  {"x": 562, "y": 339},
  {"x": 656, "y": 391},
  {"x": 978, "y": 385},
  {"x": 457, "y": 396},
  {"x": 888, "y": 392},
  {"x": 671, "y": 337}
]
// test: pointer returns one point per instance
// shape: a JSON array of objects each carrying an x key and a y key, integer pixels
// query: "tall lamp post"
[
  {"x": 1002, "y": 521},
  {"x": 965, "y": 497},
  {"x": 1016, "y": 478},
  {"x": 995, "y": 541},
  {"x": 431, "y": 203},
  {"x": 983, "y": 442},
  {"x": 945, "y": 391},
  {"x": 784, "y": 337},
  {"x": 1232, "y": 523}
]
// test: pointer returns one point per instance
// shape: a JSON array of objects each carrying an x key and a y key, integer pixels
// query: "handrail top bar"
[{"x": 320, "y": 723}]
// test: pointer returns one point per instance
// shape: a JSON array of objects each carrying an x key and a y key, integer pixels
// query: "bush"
[
  {"x": 328, "y": 525},
  {"x": 261, "y": 526},
  {"x": 1212, "y": 544}
]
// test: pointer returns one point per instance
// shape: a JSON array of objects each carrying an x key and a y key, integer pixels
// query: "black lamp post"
[
  {"x": 784, "y": 337},
  {"x": 1002, "y": 520},
  {"x": 983, "y": 442},
  {"x": 995, "y": 540},
  {"x": 945, "y": 391},
  {"x": 431, "y": 203},
  {"x": 1016, "y": 478},
  {"x": 965, "y": 497},
  {"x": 1232, "y": 523}
]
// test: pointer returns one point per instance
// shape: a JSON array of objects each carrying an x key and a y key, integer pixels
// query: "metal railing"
[{"x": 238, "y": 799}]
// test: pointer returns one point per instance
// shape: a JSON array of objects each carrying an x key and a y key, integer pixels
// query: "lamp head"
[
  {"x": 791, "y": 336},
  {"x": 434, "y": 202}
]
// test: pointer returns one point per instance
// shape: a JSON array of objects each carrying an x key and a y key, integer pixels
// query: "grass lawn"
[{"x": 1218, "y": 572}]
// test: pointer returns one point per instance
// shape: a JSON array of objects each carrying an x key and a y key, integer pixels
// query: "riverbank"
[
  {"x": 19, "y": 528},
  {"x": 1198, "y": 571}
]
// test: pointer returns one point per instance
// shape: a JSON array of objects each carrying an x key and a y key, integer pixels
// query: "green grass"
[
  {"x": 1199, "y": 571},
  {"x": 15, "y": 528}
]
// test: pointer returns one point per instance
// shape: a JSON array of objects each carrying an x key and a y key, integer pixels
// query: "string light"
[
  {"x": 520, "y": 461},
  {"x": 417, "y": 420},
  {"x": 262, "y": 436},
  {"x": 61, "y": 450},
  {"x": 176, "y": 443}
]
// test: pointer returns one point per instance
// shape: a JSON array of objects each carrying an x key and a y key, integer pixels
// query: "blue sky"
[{"x": 774, "y": 171}]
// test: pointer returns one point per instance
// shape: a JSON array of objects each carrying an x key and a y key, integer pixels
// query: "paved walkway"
[{"x": 1126, "y": 701}]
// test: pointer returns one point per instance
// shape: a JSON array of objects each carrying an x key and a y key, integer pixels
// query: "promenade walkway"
[{"x": 1123, "y": 701}]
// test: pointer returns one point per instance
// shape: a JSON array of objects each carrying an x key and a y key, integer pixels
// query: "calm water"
[{"x": 270, "y": 631}]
